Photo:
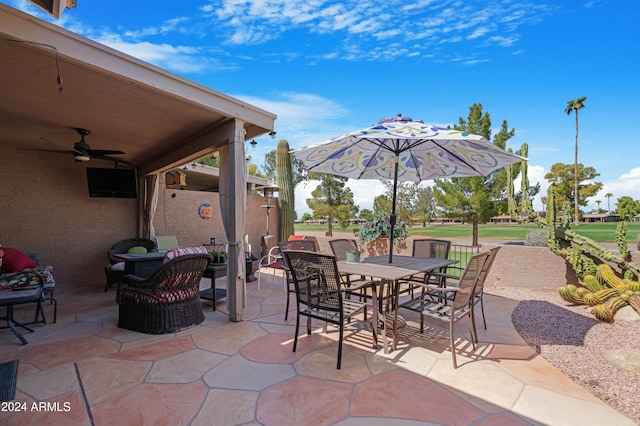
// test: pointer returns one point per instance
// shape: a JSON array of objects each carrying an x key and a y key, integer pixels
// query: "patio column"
[{"x": 233, "y": 205}]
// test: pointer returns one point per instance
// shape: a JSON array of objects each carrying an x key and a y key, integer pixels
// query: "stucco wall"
[
  {"x": 45, "y": 208},
  {"x": 178, "y": 214}
]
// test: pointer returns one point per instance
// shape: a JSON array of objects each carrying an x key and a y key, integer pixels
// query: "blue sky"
[{"x": 330, "y": 67}]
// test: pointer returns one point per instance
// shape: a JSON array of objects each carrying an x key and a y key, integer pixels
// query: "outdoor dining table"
[
  {"x": 142, "y": 264},
  {"x": 378, "y": 267}
]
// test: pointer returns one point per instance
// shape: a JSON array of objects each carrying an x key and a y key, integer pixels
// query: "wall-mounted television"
[{"x": 115, "y": 183}]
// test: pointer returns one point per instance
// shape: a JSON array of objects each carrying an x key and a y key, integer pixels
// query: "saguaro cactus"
[{"x": 284, "y": 179}]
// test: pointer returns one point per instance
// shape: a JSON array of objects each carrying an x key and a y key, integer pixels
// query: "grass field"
[{"x": 599, "y": 232}]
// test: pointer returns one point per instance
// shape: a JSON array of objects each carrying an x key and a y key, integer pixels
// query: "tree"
[
  {"x": 331, "y": 199},
  {"x": 608, "y": 195},
  {"x": 475, "y": 199},
  {"x": 598, "y": 203},
  {"x": 424, "y": 205},
  {"x": 306, "y": 216},
  {"x": 382, "y": 206},
  {"x": 366, "y": 214},
  {"x": 300, "y": 173},
  {"x": 628, "y": 207},
  {"x": 575, "y": 105},
  {"x": 405, "y": 196},
  {"x": 562, "y": 175}
]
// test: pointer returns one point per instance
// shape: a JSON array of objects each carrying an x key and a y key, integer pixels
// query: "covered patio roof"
[{"x": 55, "y": 81}]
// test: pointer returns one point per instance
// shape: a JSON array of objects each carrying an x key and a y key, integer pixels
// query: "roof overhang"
[{"x": 160, "y": 120}]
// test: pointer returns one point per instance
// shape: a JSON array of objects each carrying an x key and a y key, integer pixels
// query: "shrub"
[{"x": 537, "y": 238}]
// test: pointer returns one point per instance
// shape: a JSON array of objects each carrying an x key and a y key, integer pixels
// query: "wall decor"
[{"x": 205, "y": 211}]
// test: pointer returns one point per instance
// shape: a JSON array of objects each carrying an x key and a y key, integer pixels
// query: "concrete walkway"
[{"x": 89, "y": 371}]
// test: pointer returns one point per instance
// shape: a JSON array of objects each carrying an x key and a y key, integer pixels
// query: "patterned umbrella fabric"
[
  {"x": 402, "y": 149},
  {"x": 421, "y": 151}
]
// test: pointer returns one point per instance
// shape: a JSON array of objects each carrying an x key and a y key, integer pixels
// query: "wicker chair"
[
  {"x": 166, "y": 302},
  {"x": 115, "y": 269}
]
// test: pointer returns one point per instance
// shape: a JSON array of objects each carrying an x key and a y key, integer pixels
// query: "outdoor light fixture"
[
  {"x": 268, "y": 192},
  {"x": 272, "y": 134},
  {"x": 81, "y": 157},
  {"x": 193, "y": 165},
  {"x": 253, "y": 143}
]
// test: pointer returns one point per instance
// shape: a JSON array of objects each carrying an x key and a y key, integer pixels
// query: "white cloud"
[
  {"x": 364, "y": 191},
  {"x": 176, "y": 58},
  {"x": 369, "y": 23}
]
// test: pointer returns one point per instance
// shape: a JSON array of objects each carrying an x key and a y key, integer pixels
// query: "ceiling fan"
[{"x": 82, "y": 150}]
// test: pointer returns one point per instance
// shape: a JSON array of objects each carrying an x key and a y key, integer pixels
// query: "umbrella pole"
[{"x": 392, "y": 219}]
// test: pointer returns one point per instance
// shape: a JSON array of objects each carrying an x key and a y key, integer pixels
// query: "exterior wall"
[
  {"x": 178, "y": 214},
  {"x": 45, "y": 208}
]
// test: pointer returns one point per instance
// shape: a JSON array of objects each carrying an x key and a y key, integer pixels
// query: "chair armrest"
[{"x": 431, "y": 287}]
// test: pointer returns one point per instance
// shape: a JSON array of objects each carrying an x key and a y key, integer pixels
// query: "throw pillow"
[
  {"x": 173, "y": 253},
  {"x": 137, "y": 249},
  {"x": 15, "y": 260}
]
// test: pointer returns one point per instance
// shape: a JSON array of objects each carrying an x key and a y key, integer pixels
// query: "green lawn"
[{"x": 599, "y": 232}]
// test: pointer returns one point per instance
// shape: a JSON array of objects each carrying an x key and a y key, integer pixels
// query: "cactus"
[
  {"x": 570, "y": 294},
  {"x": 284, "y": 177},
  {"x": 621, "y": 240},
  {"x": 591, "y": 299},
  {"x": 634, "y": 286},
  {"x": 602, "y": 312},
  {"x": 592, "y": 283},
  {"x": 609, "y": 276}
]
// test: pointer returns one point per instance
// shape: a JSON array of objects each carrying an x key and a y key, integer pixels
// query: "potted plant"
[
  {"x": 380, "y": 228},
  {"x": 219, "y": 256}
]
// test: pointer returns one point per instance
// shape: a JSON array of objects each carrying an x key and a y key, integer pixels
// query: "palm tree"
[
  {"x": 575, "y": 105},
  {"x": 598, "y": 203},
  {"x": 608, "y": 195}
]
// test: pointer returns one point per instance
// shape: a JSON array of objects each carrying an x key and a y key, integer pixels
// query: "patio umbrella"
[{"x": 402, "y": 149}]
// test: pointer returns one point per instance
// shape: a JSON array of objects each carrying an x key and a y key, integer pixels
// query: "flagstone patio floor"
[{"x": 84, "y": 370}]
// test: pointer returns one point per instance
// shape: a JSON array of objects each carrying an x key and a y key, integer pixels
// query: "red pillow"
[{"x": 16, "y": 261}]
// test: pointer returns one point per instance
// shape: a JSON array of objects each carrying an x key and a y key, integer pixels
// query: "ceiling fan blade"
[
  {"x": 57, "y": 151},
  {"x": 95, "y": 152},
  {"x": 114, "y": 159}
]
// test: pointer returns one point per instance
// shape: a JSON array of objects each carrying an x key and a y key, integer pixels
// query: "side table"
[{"x": 214, "y": 271}]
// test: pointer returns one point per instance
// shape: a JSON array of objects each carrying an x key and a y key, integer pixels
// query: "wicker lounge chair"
[
  {"x": 115, "y": 269},
  {"x": 166, "y": 302}
]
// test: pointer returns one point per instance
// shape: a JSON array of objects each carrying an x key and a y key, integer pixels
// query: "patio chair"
[
  {"x": 319, "y": 294},
  {"x": 353, "y": 284},
  {"x": 307, "y": 245},
  {"x": 115, "y": 269},
  {"x": 21, "y": 288},
  {"x": 168, "y": 301},
  {"x": 480, "y": 287},
  {"x": 166, "y": 242},
  {"x": 433, "y": 249},
  {"x": 451, "y": 281},
  {"x": 428, "y": 303},
  {"x": 271, "y": 259}
]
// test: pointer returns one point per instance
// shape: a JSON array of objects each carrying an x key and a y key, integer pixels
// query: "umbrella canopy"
[{"x": 402, "y": 149}]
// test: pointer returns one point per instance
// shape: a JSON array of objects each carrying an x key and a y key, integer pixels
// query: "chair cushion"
[
  {"x": 27, "y": 278},
  {"x": 117, "y": 266},
  {"x": 15, "y": 260},
  {"x": 137, "y": 249},
  {"x": 173, "y": 253}
]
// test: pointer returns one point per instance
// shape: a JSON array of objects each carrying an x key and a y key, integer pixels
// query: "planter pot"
[{"x": 353, "y": 256}]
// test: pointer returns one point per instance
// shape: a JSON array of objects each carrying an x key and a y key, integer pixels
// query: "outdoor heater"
[{"x": 268, "y": 192}]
